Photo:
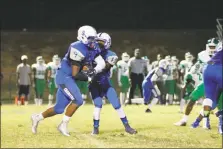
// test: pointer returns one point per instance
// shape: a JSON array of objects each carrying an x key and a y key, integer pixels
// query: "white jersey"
[
  {"x": 123, "y": 68},
  {"x": 185, "y": 66},
  {"x": 171, "y": 72},
  {"x": 53, "y": 67},
  {"x": 40, "y": 70}
]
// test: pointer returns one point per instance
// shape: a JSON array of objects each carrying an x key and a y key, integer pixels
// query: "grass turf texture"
[{"x": 154, "y": 129}]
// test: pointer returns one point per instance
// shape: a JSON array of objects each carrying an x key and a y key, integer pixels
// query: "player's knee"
[
  {"x": 79, "y": 102},
  {"x": 207, "y": 102},
  {"x": 58, "y": 110},
  {"x": 98, "y": 102}
]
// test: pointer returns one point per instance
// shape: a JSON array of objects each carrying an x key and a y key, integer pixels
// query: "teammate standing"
[{"x": 79, "y": 54}]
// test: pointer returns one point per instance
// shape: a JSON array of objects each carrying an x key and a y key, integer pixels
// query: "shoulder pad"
[{"x": 77, "y": 54}]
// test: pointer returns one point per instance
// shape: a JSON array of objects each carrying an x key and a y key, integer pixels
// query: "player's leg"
[
  {"x": 96, "y": 114},
  {"x": 52, "y": 88},
  {"x": 211, "y": 86},
  {"x": 147, "y": 92},
  {"x": 26, "y": 93},
  {"x": 132, "y": 88},
  {"x": 72, "y": 92},
  {"x": 113, "y": 99},
  {"x": 61, "y": 103},
  {"x": 194, "y": 96},
  {"x": 20, "y": 92},
  {"x": 41, "y": 90},
  {"x": 124, "y": 88}
]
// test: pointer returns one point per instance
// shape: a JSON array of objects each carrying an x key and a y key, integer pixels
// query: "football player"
[
  {"x": 52, "y": 68},
  {"x": 203, "y": 57},
  {"x": 149, "y": 84},
  {"x": 101, "y": 86},
  {"x": 79, "y": 54},
  {"x": 39, "y": 79},
  {"x": 123, "y": 77}
]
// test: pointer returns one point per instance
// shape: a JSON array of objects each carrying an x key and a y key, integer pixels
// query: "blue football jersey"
[{"x": 80, "y": 53}]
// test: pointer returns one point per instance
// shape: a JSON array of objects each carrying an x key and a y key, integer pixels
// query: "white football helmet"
[
  {"x": 188, "y": 57},
  {"x": 39, "y": 60},
  {"x": 125, "y": 56},
  {"x": 104, "y": 39},
  {"x": 174, "y": 60},
  {"x": 56, "y": 59},
  {"x": 163, "y": 64},
  {"x": 211, "y": 46},
  {"x": 86, "y": 34},
  {"x": 168, "y": 58}
]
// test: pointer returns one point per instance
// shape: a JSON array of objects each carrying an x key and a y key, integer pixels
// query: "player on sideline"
[
  {"x": 213, "y": 85},
  {"x": 149, "y": 86},
  {"x": 101, "y": 86},
  {"x": 51, "y": 73},
  {"x": 203, "y": 57},
  {"x": 39, "y": 79},
  {"x": 123, "y": 77},
  {"x": 68, "y": 94}
]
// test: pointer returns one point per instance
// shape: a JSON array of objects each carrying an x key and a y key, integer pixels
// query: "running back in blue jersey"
[{"x": 68, "y": 90}]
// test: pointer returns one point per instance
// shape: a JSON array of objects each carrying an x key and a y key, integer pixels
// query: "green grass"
[{"x": 154, "y": 130}]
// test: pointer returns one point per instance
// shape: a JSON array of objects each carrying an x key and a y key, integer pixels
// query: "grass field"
[{"x": 154, "y": 130}]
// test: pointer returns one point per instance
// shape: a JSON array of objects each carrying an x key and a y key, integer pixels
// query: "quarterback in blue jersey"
[
  {"x": 213, "y": 78},
  {"x": 79, "y": 54},
  {"x": 149, "y": 86},
  {"x": 100, "y": 86}
]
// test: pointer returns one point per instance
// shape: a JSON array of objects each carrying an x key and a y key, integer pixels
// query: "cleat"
[
  {"x": 180, "y": 123},
  {"x": 95, "y": 131},
  {"x": 62, "y": 128},
  {"x": 148, "y": 111},
  {"x": 195, "y": 124},
  {"x": 35, "y": 123},
  {"x": 130, "y": 130}
]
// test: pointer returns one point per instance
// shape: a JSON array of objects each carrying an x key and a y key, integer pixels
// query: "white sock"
[
  {"x": 66, "y": 118},
  {"x": 40, "y": 117},
  {"x": 153, "y": 102},
  {"x": 19, "y": 102},
  {"x": 182, "y": 103},
  {"x": 36, "y": 100},
  {"x": 204, "y": 122},
  {"x": 96, "y": 113},
  {"x": 170, "y": 98},
  {"x": 50, "y": 97},
  {"x": 40, "y": 101},
  {"x": 121, "y": 112},
  {"x": 121, "y": 98},
  {"x": 185, "y": 118},
  {"x": 26, "y": 103}
]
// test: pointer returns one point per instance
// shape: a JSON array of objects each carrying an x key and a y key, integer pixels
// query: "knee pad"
[
  {"x": 207, "y": 102},
  {"x": 78, "y": 102},
  {"x": 98, "y": 102},
  {"x": 58, "y": 110}
]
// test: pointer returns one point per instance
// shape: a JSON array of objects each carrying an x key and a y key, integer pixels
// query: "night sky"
[{"x": 110, "y": 14}]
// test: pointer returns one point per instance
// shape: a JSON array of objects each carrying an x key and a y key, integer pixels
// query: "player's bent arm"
[
  {"x": 49, "y": 73},
  {"x": 100, "y": 64},
  {"x": 33, "y": 75}
]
